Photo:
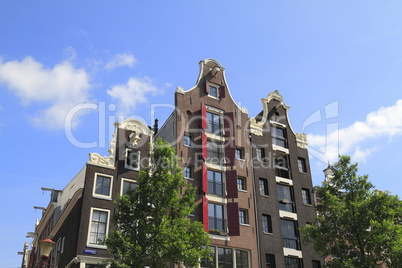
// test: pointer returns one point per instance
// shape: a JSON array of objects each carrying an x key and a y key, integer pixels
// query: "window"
[
  {"x": 225, "y": 258},
  {"x": 98, "y": 227},
  {"x": 278, "y": 136},
  {"x": 263, "y": 187},
  {"x": 289, "y": 234},
  {"x": 215, "y": 152},
  {"x": 301, "y": 162},
  {"x": 132, "y": 159},
  {"x": 316, "y": 264},
  {"x": 266, "y": 224},
  {"x": 187, "y": 140},
  {"x": 306, "y": 196},
  {"x": 241, "y": 259},
  {"x": 260, "y": 154},
  {"x": 103, "y": 186},
  {"x": 215, "y": 216},
  {"x": 270, "y": 261},
  {"x": 241, "y": 184},
  {"x": 292, "y": 263},
  {"x": 213, "y": 91},
  {"x": 240, "y": 153},
  {"x": 243, "y": 216},
  {"x": 209, "y": 263},
  {"x": 215, "y": 183},
  {"x": 127, "y": 185},
  {"x": 214, "y": 123},
  {"x": 187, "y": 172},
  {"x": 282, "y": 167},
  {"x": 286, "y": 198}
]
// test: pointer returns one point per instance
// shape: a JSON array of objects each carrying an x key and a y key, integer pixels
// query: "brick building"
[{"x": 252, "y": 174}]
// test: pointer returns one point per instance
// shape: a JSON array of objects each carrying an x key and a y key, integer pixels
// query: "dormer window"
[{"x": 213, "y": 91}]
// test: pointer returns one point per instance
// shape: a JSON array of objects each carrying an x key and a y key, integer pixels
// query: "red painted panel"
[
  {"x": 204, "y": 178},
  {"x": 233, "y": 219},
  {"x": 228, "y": 123},
  {"x": 204, "y": 145},
  {"x": 231, "y": 184},
  {"x": 222, "y": 91},
  {"x": 203, "y": 117},
  {"x": 205, "y": 213},
  {"x": 230, "y": 153}
]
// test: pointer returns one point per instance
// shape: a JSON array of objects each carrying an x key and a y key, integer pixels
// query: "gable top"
[{"x": 211, "y": 68}]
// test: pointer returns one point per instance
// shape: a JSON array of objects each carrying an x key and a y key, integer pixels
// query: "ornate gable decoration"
[
  {"x": 256, "y": 126},
  {"x": 134, "y": 125}
]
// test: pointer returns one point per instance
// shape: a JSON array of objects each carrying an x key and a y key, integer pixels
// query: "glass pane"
[
  {"x": 103, "y": 217},
  {"x": 211, "y": 210},
  {"x": 219, "y": 211}
]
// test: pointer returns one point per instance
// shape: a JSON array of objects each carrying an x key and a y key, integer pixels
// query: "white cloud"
[
  {"x": 133, "y": 92},
  {"x": 119, "y": 60},
  {"x": 60, "y": 88},
  {"x": 383, "y": 123}
]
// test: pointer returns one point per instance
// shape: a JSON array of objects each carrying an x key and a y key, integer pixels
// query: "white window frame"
[
  {"x": 244, "y": 184},
  {"x": 95, "y": 195},
  {"x": 241, "y": 150},
  {"x": 245, "y": 216},
  {"x": 189, "y": 139},
  {"x": 90, "y": 224},
  {"x": 217, "y": 90},
  {"x": 139, "y": 159},
  {"x": 126, "y": 180},
  {"x": 191, "y": 172}
]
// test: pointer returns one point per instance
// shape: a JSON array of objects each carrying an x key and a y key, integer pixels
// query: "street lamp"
[{"x": 45, "y": 247}]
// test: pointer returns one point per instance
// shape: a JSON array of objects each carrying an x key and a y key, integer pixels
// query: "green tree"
[
  {"x": 153, "y": 228},
  {"x": 356, "y": 225}
]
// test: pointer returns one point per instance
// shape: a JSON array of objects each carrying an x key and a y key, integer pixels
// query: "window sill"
[
  {"x": 188, "y": 146},
  {"x": 130, "y": 168},
  {"x": 268, "y": 233},
  {"x": 109, "y": 198},
  {"x": 240, "y": 159},
  {"x": 213, "y": 97},
  {"x": 190, "y": 179},
  {"x": 96, "y": 246},
  {"x": 308, "y": 205},
  {"x": 245, "y": 224},
  {"x": 244, "y": 191},
  {"x": 263, "y": 195}
]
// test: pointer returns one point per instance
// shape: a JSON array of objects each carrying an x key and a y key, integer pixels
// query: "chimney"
[{"x": 156, "y": 126}]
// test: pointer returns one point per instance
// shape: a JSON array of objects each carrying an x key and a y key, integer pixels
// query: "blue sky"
[{"x": 337, "y": 64}]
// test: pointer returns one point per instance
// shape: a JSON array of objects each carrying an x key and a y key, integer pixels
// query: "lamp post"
[{"x": 45, "y": 247}]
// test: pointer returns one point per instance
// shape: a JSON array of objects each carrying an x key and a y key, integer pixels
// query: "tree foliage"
[
  {"x": 356, "y": 225},
  {"x": 153, "y": 228}
]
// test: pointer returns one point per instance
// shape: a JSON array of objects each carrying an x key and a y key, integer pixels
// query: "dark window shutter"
[
  {"x": 204, "y": 145},
  {"x": 203, "y": 117},
  {"x": 233, "y": 219},
  {"x": 204, "y": 178},
  {"x": 231, "y": 184},
  {"x": 222, "y": 91},
  {"x": 205, "y": 213},
  {"x": 230, "y": 153},
  {"x": 207, "y": 86},
  {"x": 228, "y": 123}
]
